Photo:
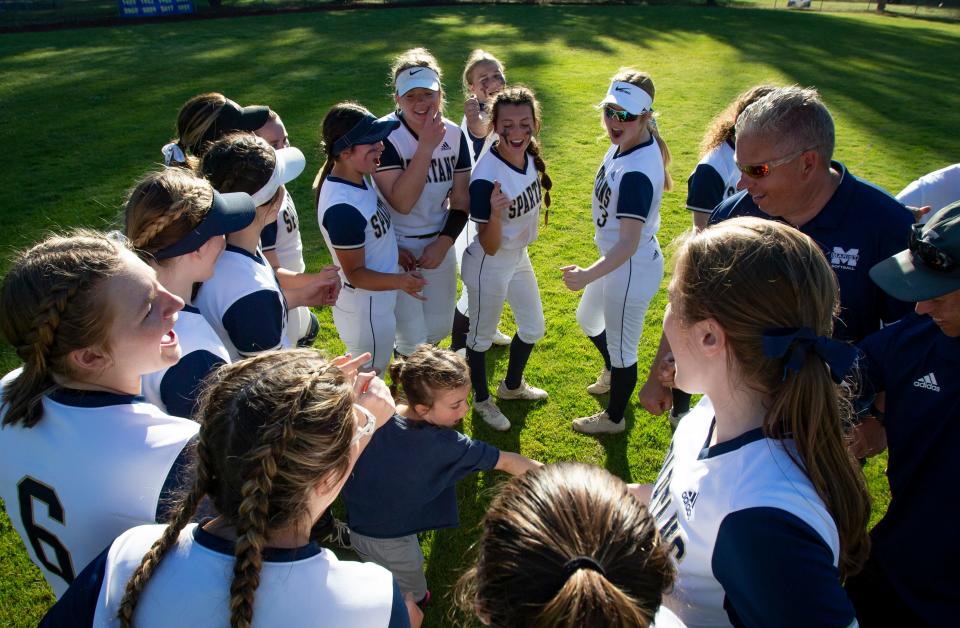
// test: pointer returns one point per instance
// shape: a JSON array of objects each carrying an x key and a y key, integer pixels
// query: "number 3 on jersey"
[{"x": 29, "y": 490}]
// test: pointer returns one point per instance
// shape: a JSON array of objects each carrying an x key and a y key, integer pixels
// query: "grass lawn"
[{"x": 86, "y": 112}]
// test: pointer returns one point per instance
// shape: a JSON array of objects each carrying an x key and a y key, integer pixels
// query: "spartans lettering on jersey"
[
  {"x": 381, "y": 220},
  {"x": 602, "y": 192},
  {"x": 661, "y": 502},
  {"x": 529, "y": 199},
  {"x": 441, "y": 169}
]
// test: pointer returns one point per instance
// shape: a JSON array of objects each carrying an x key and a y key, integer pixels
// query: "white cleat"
[
  {"x": 525, "y": 392},
  {"x": 500, "y": 338},
  {"x": 491, "y": 414},
  {"x": 602, "y": 385},
  {"x": 599, "y": 423}
]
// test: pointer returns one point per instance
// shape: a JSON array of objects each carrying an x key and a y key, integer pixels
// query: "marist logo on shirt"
[
  {"x": 844, "y": 259},
  {"x": 689, "y": 501}
]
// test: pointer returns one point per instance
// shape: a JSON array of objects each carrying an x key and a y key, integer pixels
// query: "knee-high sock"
[
  {"x": 478, "y": 374},
  {"x": 681, "y": 402},
  {"x": 458, "y": 334},
  {"x": 622, "y": 383},
  {"x": 519, "y": 354},
  {"x": 600, "y": 342}
]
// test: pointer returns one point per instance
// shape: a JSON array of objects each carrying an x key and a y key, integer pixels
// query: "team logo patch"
[
  {"x": 689, "y": 501},
  {"x": 929, "y": 382},
  {"x": 845, "y": 259}
]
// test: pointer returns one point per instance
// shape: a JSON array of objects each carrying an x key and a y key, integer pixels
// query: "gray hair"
[{"x": 792, "y": 117}]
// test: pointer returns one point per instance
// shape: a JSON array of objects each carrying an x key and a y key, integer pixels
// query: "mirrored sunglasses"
[
  {"x": 931, "y": 257},
  {"x": 619, "y": 114},
  {"x": 759, "y": 171}
]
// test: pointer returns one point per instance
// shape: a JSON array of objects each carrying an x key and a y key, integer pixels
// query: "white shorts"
[
  {"x": 366, "y": 321},
  {"x": 618, "y": 302},
  {"x": 427, "y": 321},
  {"x": 490, "y": 281}
]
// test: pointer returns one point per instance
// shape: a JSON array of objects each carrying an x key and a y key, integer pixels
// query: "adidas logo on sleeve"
[{"x": 929, "y": 382}]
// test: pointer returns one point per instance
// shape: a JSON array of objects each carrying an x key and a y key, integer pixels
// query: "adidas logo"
[
  {"x": 445, "y": 146},
  {"x": 689, "y": 500},
  {"x": 929, "y": 382}
]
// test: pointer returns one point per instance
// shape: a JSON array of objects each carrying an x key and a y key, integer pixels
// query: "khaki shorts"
[{"x": 401, "y": 556}]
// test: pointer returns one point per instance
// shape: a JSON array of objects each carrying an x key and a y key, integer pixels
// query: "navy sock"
[
  {"x": 622, "y": 383},
  {"x": 681, "y": 402},
  {"x": 600, "y": 342},
  {"x": 458, "y": 334},
  {"x": 519, "y": 354},
  {"x": 478, "y": 374}
]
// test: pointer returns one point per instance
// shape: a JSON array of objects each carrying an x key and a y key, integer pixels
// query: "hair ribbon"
[{"x": 798, "y": 342}]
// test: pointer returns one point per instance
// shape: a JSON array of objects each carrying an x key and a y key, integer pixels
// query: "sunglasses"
[
  {"x": 932, "y": 257},
  {"x": 619, "y": 114},
  {"x": 759, "y": 171}
]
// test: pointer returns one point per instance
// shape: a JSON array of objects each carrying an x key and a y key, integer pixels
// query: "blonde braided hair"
[
  {"x": 164, "y": 206},
  {"x": 52, "y": 305},
  {"x": 272, "y": 427}
]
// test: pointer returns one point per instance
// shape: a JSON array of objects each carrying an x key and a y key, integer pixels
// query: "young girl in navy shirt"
[{"x": 405, "y": 482}]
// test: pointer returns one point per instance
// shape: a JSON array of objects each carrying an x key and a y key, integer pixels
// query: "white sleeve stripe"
[
  {"x": 385, "y": 168},
  {"x": 632, "y": 216},
  {"x": 462, "y": 169},
  {"x": 348, "y": 248},
  {"x": 479, "y": 220},
  {"x": 700, "y": 209}
]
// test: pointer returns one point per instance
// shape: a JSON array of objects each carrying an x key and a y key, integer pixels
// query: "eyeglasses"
[
  {"x": 619, "y": 114},
  {"x": 932, "y": 257},
  {"x": 759, "y": 171},
  {"x": 367, "y": 428}
]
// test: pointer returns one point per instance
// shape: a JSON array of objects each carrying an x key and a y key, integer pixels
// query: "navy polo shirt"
[
  {"x": 859, "y": 226},
  {"x": 405, "y": 480},
  {"x": 919, "y": 368}
]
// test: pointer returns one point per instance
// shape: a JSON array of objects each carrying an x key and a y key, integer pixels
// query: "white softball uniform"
[
  {"x": 96, "y": 464},
  {"x": 244, "y": 304},
  {"x": 429, "y": 320},
  {"x": 936, "y": 189},
  {"x": 303, "y": 586},
  {"x": 714, "y": 179},
  {"x": 175, "y": 389},
  {"x": 752, "y": 541},
  {"x": 507, "y": 276},
  {"x": 478, "y": 148},
  {"x": 628, "y": 186},
  {"x": 283, "y": 236},
  {"x": 352, "y": 216}
]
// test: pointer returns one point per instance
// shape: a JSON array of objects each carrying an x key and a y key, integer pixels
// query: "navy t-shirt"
[
  {"x": 858, "y": 227},
  {"x": 918, "y": 366},
  {"x": 405, "y": 480}
]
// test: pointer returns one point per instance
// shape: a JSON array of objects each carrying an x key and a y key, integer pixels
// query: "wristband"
[{"x": 456, "y": 221}]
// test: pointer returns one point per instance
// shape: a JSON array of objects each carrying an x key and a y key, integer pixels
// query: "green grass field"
[{"x": 86, "y": 112}]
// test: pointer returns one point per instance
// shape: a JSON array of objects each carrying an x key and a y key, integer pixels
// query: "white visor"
[
  {"x": 290, "y": 163},
  {"x": 417, "y": 76},
  {"x": 633, "y": 99}
]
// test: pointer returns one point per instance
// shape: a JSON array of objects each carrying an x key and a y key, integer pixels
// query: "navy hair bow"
[{"x": 838, "y": 356}]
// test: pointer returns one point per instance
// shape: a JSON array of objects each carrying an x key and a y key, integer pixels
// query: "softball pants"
[
  {"x": 427, "y": 321},
  {"x": 618, "y": 302},
  {"x": 490, "y": 281},
  {"x": 365, "y": 321}
]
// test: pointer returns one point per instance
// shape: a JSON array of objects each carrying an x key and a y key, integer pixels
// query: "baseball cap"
[
  {"x": 228, "y": 213},
  {"x": 290, "y": 163},
  {"x": 368, "y": 130},
  {"x": 930, "y": 267},
  {"x": 631, "y": 98},
  {"x": 417, "y": 76},
  {"x": 233, "y": 117}
]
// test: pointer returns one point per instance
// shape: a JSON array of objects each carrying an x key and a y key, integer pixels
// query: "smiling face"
[
  {"x": 362, "y": 158},
  {"x": 486, "y": 80},
  {"x": 417, "y": 104},
  {"x": 141, "y": 338},
  {"x": 449, "y": 406},
  {"x": 624, "y": 134},
  {"x": 779, "y": 193},
  {"x": 516, "y": 126}
]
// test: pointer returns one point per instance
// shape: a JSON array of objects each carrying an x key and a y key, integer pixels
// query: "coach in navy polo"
[
  {"x": 911, "y": 578},
  {"x": 784, "y": 149}
]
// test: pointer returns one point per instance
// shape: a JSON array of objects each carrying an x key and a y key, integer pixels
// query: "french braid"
[{"x": 164, "y": 206}]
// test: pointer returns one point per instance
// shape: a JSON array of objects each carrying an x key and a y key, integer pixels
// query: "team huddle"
[{"x": 169, "y": 365}]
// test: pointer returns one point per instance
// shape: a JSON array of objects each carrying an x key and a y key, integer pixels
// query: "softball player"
[
  {"x": 358, "y": 232},
  {"x": 204, "y": 119},
  {"x": 245, "y": 301},
  {"x": 281, "y": 244},
  {"x": 423, "y": 177},
  {"x": 618, "y": 287},
  {"x": 506, "y": 190},
  {"x": 762, "y": 504},
  {"x": 280, "y": 432},
  {"x": 84, "y": 457},
  {"x": 483, "y": 79},
  {"x": 178, "y": 222}
]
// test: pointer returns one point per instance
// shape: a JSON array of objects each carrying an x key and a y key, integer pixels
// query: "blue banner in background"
[{"x": 152, "y": 8}]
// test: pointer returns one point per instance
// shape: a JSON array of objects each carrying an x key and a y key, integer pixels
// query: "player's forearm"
[
  {"x": 408, "y": 187},
  {"x": 290, "y": 280},
  {"x": 515, "y": 464},
  {"x": 662, "y": 350},
  {"x": 490, "y": 236},
  {"x": 615, "y": 257},
  {"x": 366, "y": 279}
]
